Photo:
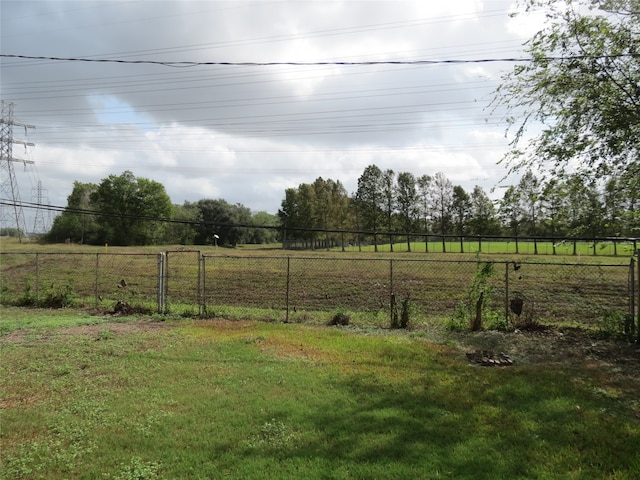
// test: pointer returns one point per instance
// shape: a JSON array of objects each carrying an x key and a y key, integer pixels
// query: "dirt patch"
[
  {"x": 613, "y": 364},
  {"x": 98, "y": 330}
]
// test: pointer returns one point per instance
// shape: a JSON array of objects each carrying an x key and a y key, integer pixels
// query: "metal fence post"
[
  {"x": 201, "y": 284},
  {"x": 629, "y": 326},
  {"x": 37, "y": 277},
  {"x": 391, "y": 295},
  {"x": 286, "y": 300},
  {"x": 506, "y": 291},
  {"x": 638, "y": 263},
  {"x": 96, "y": 294},
  {"x": 161, "y": 300}
]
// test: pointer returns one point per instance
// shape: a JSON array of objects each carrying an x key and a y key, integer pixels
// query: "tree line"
[
  {"x": 388, "y": 204},
  {"x": 128, "y": 210}
]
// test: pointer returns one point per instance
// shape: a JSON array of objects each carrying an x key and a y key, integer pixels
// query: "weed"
[
  {"x": 137, "y": 469},
  {"x": 273, "y": 434},
  {"x": 475, "y": 306},
  {"x": 612, "y": 324},
  {"x": 400, "y": 320},
  {"x": 340, "y": 317},
  {"x": 29, "y": 298},
  {"x": 57, "y": 296}
]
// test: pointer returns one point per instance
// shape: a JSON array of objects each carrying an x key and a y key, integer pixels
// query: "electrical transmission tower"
[
  {"x": 10, "y": 203},
  {"x": 41, "y": 199}
]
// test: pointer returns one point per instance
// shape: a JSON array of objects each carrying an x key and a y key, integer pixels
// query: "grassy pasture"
[
  {"x": 98, "y": 397},
  {"x": 525, "y": 249}
]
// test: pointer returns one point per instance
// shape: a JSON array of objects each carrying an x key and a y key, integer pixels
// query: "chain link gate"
[{"x": 180, "y": 280}]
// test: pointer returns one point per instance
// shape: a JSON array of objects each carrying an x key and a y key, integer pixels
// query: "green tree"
[
  {"x": 460, "y": 209},
  {"x": 370, "y": 201},
  {"x": 585, "y": 211},
  {"x": 130, "y": 209},
  {"x": 77, "y": 223},
  {"x": 182, "y": 229},
  {"x": 263, "y": 235},
  {"x": 441, "y": 200},
  {"x": 554, "y": 206},
  {"x": 580, "y": 91},
  {"x": 482, "y": 214},
  {"x": 407, "y": 203},
  {"x": 511, "y": 212},
  {"x": 389, "y": 201},
  {"x": 423, "y": 184},
  {"x": 529, "y": 195},
  {"x": 221, "y": 223}
]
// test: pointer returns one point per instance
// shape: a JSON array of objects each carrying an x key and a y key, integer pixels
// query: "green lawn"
[{"x": 88, "y": 397}]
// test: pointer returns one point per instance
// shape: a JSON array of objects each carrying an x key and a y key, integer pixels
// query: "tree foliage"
[
  {"x": 580, "y": 93},
  {"x": 77, "y": 223},
  {"x": 131, "y": 209}
]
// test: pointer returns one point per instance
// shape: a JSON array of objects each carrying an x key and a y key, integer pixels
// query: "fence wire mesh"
[{"x": 299, "y": 289}]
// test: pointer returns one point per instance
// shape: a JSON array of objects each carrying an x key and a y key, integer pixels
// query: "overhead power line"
[{"x": 182, "y": 64}]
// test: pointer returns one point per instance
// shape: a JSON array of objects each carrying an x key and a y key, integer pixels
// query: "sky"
[{"x": 246, "y": 133}]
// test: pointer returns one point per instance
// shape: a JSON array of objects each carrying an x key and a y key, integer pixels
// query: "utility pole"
[{"x": 9, "y": 194}]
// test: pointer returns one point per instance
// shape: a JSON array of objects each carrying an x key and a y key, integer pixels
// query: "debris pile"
[{"x": 487, "y": 358}]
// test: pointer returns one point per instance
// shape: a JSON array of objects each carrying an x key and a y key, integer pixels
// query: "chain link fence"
[{"x": 316, "y": 289}]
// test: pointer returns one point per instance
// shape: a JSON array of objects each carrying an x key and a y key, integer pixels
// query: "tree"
[
  {"x": 388, "y": 195},
  {"x": 511, "y": 213},
  {"x": 182, "y": 229},
  {"x": 76, "y": 223},
  {"x": 442, "y": 198},
  {"x": 407, "y": 203},
  {"x": 369, "y": 200},
  {"x": 554, "y": 205},
  {"x": 222, "y": 223},
  {"x": 585, "y": 211},
  {"x": 482, "y": 215},
  {"x": 581, "y": 90},
  {"x": 263, "y": 235},
  {"x": 423, "y": 184},
  {"x": 461, "y": 209},
  {"x": 529, "y": 192},
  {"x": 130, "y": 209}
]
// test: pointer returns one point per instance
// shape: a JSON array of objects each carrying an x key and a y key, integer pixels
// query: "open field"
[
  {"x": 583, "y": 249},
  {"x": 309, "y": 287},
  {"x": 129, "y": 397}
]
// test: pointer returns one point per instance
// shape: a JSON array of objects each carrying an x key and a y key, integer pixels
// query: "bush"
[{"x": 58, "y": 296}]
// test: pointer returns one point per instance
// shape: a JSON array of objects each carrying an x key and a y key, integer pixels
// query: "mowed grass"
[{"x": 85, "y": 397}]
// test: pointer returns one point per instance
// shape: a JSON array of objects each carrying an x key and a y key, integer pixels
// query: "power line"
[{"x": 183, "y": 64}]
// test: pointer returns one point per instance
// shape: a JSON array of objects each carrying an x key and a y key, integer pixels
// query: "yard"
[{"x": 101, "y": 396}]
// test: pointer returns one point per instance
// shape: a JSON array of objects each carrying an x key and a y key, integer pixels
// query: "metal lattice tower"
[
  {"x": 40, "y": 198},
  {"x": 10, "y": 203}
]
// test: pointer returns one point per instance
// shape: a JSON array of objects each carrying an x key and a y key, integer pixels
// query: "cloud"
[{"x": 246, "y": 133}]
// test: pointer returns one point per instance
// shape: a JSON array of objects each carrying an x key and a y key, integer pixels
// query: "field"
[
  {"x": 169, "y": 398},
  {"x": 268, "y": 283}
]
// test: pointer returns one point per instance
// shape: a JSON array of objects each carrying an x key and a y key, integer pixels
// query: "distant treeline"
[
  {"x": 125, "y": 210},
  {"x": 388, "y": 202}
]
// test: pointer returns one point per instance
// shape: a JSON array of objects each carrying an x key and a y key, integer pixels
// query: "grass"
[{"x": 85, "y": 397}]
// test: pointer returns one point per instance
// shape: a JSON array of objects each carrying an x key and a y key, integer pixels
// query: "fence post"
[
  {"x": 37, "y": 277},
  {"x": 506, "y": 291},
  {"x": 96, "y": 293},
  {"x": 629, "y": 325},
  {"x": 391, "y": 296},
  {"x": 201, "y": 284},
  {"x": 286, "y": 300},
  {"x": 161, "y": 299},
  {"x": 638, "y": 285}
]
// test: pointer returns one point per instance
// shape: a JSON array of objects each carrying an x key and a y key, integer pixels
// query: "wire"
[{"x": 182, "y": 64}]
